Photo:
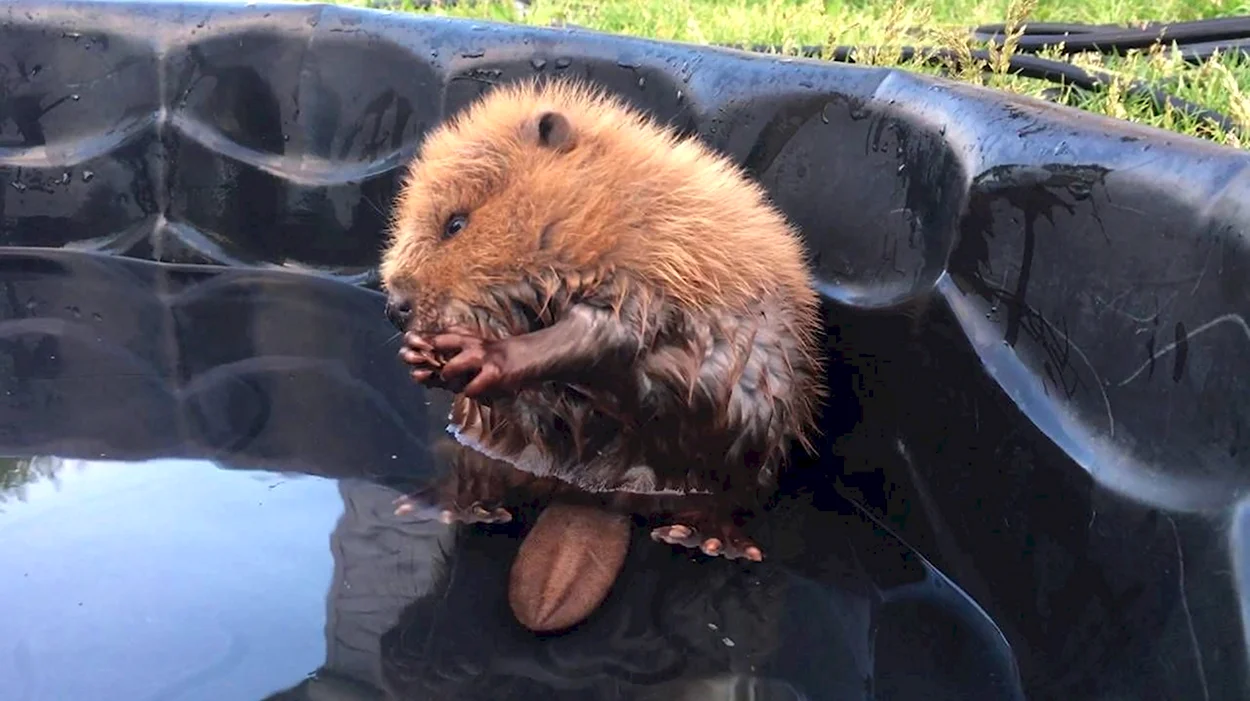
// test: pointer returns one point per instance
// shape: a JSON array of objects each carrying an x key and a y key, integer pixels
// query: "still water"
[
  {"x": 164, "y": 579},
  {"x": 217, "y": 524}
]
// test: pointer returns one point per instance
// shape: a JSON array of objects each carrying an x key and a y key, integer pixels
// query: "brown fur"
[
  {"x": 632, "y": 197},
  {"x": 686, "y": 309}
]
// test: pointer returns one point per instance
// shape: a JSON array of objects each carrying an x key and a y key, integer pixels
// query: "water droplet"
[
  {"x": 19, "y": 186},
  {"x": 902, "y": 167},
  {"x": 942, "y": 131},
  {"x": 680, "y": 96},
  {"x": 65, "y": 178},
  {"x": 727, "y": 642},
  {"x": 74, "y": 311},
  {"x": 562, "y": 63},
  {"x": 824, "y": 113},
  {"x": 642, "y": 82},
  {"x": 286, "y": 137},
  {"x": 473, "y": 53},
  {"x": 632, "y": 65},
  {"x": 96, "y": 316},
  {"x": 31, "y": 304},
  {"x": 538, "y": 63},
  {"x": 87, "y": 175},
  {"x": 71, "y": 35},
  {"x": 75, "y": 97}
]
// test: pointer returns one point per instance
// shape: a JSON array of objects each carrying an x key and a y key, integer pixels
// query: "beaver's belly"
[
  {"x": 595, "y": 453},
  {"x": 711, "y": 405}
]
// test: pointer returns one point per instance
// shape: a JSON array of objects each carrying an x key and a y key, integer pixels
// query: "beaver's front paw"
[
  {"x": 485, "y": 361},
  {"x": 418, "y": 354}
]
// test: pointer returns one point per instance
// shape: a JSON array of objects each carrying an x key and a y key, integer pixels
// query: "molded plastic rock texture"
[{"x": 1038, "y": 317}]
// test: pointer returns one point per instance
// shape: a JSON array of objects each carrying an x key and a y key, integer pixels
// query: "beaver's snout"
[{"x": 399, "y": 311}]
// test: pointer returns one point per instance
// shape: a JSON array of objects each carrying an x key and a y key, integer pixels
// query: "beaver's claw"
[{"x": 486, "y": 361}]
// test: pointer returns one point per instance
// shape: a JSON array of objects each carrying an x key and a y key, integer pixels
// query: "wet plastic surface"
[{"x": 1038, "y": 318}]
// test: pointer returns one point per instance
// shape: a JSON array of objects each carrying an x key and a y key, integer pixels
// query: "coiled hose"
[{"x": 1196, "y": 41}]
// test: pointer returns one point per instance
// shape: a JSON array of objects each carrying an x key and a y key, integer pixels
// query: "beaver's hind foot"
[
  {"x": 450, "y": 512},
  {"x": 710, "y": 535},
  {"x": 469, "y": 494}
]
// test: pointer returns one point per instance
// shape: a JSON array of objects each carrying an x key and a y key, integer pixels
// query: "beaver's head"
[
  {"x": 513, "y": 189},
  {"x": 558, "y": 180}
]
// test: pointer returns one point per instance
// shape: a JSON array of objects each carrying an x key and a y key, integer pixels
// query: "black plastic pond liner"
[{"x": 1034, "y": 467}]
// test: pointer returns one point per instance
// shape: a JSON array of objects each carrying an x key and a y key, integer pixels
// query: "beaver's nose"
[{"x": 399, "y": 311}]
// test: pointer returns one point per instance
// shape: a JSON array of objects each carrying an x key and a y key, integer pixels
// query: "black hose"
[
  {"x": 1029, "y": 66},
  {"x": 1224, "y": 33},
  {"x": 987, "y": 32},
  {"x": 1200, "y": 52}
]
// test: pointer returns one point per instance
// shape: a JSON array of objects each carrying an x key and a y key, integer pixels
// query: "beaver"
[{"x": 615, "y": 306}]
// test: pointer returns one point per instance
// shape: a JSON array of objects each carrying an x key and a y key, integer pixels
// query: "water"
[
  {"x": 164, "y": 579},
  {"x": 198, "y": 506}
]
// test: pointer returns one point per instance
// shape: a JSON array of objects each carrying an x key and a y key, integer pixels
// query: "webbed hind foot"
[
  {"x": 450, "y": 512},
  {"x": 711, "y": 537}
]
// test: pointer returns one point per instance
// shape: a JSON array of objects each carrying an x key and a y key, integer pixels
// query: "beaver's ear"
[{"x": 555, "y": 132}]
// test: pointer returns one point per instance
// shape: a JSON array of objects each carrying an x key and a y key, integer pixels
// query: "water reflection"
[
  {"x": 16, "y": 474},
  {"x": 163, "y": 579},
  {"x": 240, "y": 543}
]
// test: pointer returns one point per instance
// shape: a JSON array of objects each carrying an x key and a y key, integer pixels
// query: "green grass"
[{"x": 1222, "y": 84}]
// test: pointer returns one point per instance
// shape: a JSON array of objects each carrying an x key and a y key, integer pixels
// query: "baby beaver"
[{"x": 615, "y": 306}]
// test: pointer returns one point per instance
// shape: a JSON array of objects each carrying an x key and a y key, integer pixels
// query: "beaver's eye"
[{"x": 454, "y": 224}]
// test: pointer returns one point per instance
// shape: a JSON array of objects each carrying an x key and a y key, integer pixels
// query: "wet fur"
[{"x": 657, "y": 312}]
